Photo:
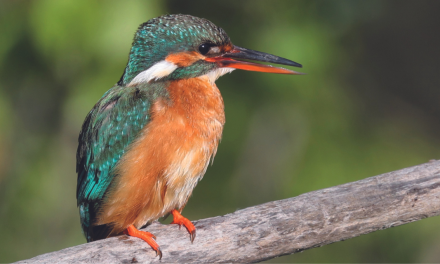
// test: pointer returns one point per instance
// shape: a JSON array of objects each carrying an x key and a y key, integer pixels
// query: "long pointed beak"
[{"x": 227, "y": 61}]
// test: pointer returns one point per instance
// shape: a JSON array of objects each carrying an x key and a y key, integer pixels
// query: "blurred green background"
[{"x": 368, "y": 105}]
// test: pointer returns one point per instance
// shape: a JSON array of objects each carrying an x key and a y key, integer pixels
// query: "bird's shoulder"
[{"x": 109, "y": 128}]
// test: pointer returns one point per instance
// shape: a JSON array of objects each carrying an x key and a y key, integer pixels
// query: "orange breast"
[{"x": 162, "y": 167}]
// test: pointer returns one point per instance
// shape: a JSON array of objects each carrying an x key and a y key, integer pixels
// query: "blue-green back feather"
[{"x": 113, "y": 123}]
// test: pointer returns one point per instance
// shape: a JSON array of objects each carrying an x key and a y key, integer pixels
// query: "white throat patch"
[
  {"x": 215, "y": 74},
  {"x": 157, "y": 71}
]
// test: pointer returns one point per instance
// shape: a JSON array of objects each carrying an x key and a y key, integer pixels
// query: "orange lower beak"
[{"x": 226, "y": 61}]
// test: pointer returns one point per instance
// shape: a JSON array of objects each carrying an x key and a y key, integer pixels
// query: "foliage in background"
[{"x": 368, "y": 105}]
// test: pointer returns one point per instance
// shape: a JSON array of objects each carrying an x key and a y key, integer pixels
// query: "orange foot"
[
  {"x": 146, "y": 236},
  {"x": 180, "y": 220}
]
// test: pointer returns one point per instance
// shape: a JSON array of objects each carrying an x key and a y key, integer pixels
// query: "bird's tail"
[{"x": 87, "y": 212}]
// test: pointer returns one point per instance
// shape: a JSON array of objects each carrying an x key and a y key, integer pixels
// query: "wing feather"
[{"x": 109, "y": 128}]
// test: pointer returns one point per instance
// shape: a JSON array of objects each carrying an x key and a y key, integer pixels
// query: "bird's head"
[{"x": 175, "y": 47}]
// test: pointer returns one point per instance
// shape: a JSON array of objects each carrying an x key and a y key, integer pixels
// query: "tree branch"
[{"x": 281, "y": 227}]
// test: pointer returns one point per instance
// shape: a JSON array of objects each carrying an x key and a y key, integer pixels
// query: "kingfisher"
[{"x": 148, "y": 141}]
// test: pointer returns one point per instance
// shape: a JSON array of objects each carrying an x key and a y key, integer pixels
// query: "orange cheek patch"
[{"x": 184, "y": 59}]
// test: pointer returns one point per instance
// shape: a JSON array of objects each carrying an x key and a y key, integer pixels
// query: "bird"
[{"x": 148, "y": 141}]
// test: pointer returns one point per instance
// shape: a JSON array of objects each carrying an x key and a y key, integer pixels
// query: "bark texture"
[{"x": 280, "y": 227}]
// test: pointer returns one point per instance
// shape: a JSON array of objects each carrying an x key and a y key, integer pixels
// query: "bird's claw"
[
  {"x": 146, "y": 236},
  {"x": 192, "y": 235},
  {"x": 180, "y": 220},
  {"x": 159, "y": 253}
]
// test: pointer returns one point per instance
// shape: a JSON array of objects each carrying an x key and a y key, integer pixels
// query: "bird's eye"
[{"x": 204, "y": 48}]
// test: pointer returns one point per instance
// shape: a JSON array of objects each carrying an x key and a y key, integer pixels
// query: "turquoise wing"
[{"x": 113, "y": 123}]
